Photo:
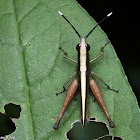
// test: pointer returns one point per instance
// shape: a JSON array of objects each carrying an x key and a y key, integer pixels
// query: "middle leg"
[
  {"x": 104, "y": 82},
  {"x": 66, "y": 84}
]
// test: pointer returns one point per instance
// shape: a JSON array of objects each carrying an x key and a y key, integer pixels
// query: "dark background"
[{"x": 123, "y": 30}]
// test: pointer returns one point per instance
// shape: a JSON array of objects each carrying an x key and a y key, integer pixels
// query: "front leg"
[
  {"x": 102, "y": 52},
  {"x": 65, "y": 55}
]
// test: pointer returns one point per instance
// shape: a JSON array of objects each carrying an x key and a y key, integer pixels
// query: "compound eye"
[
  {"x": 88, "y": 47},
  {"x": 78, "y": 47}
]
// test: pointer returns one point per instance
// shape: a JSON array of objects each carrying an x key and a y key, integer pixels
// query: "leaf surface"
[{"x": 33, "y": 69}]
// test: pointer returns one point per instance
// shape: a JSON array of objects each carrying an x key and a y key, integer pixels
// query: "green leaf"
[{"x": 33, "y": 69}]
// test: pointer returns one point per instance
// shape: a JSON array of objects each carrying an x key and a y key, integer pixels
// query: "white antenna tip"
[
  {"x": 60, "y": 13},
  {"x": 109, "y": 14}
]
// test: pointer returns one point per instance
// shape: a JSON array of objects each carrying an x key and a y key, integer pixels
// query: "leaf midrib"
[{"x": 26, "y": 88}]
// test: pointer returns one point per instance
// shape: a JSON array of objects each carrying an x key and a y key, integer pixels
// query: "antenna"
[
  {"x": 70, "y": 24},
  {"x": 98, "y": 24}
]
